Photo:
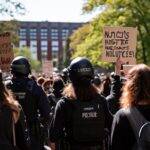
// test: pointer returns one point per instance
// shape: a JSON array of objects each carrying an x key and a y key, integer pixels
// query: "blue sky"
[{"x": 53, "y": 10}]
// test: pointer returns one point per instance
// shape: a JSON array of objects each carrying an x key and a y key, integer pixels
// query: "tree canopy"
[{"x": 87, "y": 41}]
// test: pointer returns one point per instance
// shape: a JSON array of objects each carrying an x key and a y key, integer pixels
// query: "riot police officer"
[
  {"x": 81, "y": 116},
  {"x": 33, "y": 100}
]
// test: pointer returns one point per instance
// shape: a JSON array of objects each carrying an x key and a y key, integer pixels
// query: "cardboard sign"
[
  {"x": 6, "y": 52},
  {"x": 119, "y": 42},
  {"x": 47, "y": 67}
]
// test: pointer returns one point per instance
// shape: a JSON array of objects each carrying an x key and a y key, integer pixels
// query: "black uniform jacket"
[{"x": 62, "y": 119}]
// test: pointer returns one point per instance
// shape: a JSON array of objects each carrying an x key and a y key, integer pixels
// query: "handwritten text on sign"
[{"x": 119, "y": 42}]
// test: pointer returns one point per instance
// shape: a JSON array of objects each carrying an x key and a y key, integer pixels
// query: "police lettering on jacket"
[{"x": 90, "y": 113}]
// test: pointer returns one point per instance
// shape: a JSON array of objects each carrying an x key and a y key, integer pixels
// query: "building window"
[
  {"x": 54, "y": 34},
  {"x": 44, "y": 48},
  {"x": 55, "y": 54},
  {"x": 44, "y": 45},
  {"x": 54, "y": 48},
  {"x": 43, "y": 33},
  {"x": 22, "y": 33},
  {"x": 22, "y": 43},
  {"x": 33, "y": 33},
  {"x": 55, "y": 45},
  {"x": 33, "y": 48},
  {"x": 63, "y": 43},
  {"x": 65, "y": 33},
  {"x": 44, "y": 55},
  {"x": 54, "y": 30}
]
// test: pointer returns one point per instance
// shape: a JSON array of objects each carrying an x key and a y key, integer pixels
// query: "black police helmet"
[
  {"x": 20, "y": 66},
  {"x": 80, "y": 70}
]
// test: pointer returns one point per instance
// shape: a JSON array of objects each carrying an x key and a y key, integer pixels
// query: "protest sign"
[
  {"x": 6, "y": 52},
  {"x": 119, "y": 42},
  {"x": 47, "y": 67}
]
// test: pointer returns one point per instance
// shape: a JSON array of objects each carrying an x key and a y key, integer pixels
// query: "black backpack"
[
  {"x": 141, "y": 128},
  {"x": 88, "y": 121},
  {"x": 23, "y": 94}
]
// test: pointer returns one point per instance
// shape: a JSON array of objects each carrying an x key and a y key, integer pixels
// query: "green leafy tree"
[
  {"x": 134, "y": 13},
  {"x": 128, "y": 13},
  {"x": 67, "y": 53},
  {"x": 86, "y": 42}
]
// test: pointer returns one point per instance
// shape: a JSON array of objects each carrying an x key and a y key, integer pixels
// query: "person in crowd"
[
  {"x": 47, "y": 86},
  {"x": 97, "y": 82},
  {"x": 81, "y": 116},
  {"x": 33, "y": 100},
  {"x": 58, "y": 86},
  {"x": 40, "y": 80},
  {"x": 9, "y": 113},
  {"x": 64, "y": 75},
  {"x": 55, "y": 95},
  {"x": 115, "y": 93},
  {"x": 135, "y": 96},
  {"x": 51, "y": 82},
  {"x": 105, "y": 86}
]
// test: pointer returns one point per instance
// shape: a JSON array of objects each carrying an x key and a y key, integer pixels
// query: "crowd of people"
[{"x": 75, "y": 109}]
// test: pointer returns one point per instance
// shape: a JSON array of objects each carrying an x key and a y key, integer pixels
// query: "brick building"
[{"x": 46, "y": 40}]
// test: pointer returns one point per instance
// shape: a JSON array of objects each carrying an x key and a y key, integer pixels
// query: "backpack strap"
[{"x": 136, "y": 119}]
